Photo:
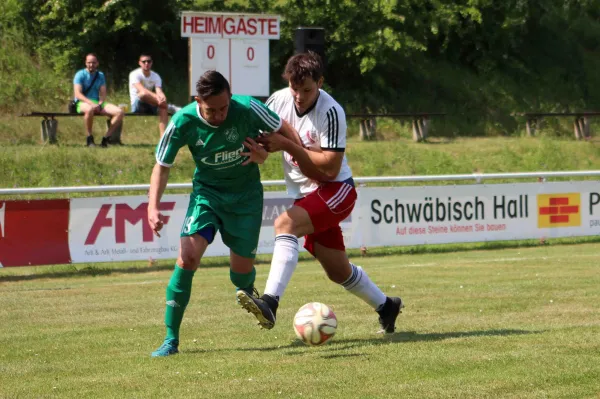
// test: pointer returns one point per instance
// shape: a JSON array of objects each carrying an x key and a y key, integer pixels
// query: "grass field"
[{"x": 512, "y": 323}]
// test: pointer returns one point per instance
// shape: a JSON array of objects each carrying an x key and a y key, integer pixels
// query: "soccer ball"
[{"x": 315, "y": 323}]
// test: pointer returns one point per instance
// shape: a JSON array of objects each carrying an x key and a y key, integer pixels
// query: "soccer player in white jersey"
[{"x": 318, "y": 175}]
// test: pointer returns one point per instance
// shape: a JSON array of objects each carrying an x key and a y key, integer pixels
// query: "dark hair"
[
  {"x": 211, "y": 83},
  {"x": 92, "y": 54},
  {"x": 302, "y": 66},
  {"x": 145, "y": 55}
]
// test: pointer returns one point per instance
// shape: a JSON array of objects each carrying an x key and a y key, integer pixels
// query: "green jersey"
[{"x": 216, "y": 149}]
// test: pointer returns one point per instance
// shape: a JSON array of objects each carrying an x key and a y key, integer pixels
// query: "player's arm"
[
  {"x": 254, "y": 151},
  {"x": 158, "y": 183},
  {"x": 288, "y": 131},
  {"x": 166, "y": 151},
  {"x": 317, "y": 164}
]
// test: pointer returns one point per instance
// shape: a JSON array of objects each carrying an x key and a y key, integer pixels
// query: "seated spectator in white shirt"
[{"x": 147, "y": 96}]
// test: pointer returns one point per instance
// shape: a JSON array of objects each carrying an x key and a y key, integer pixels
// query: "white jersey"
[
  {"x": 323, "y": 125},
  {"x": 149, "y": 82}
]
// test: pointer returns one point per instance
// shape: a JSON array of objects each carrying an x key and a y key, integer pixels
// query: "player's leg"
[
  {"x": 198, "y": 232},
  {"x": 88, "y": 118},
  {"x": 328, "y": 248},
  {"x": 242, "y": 272},
  {"x": 241, "y": 219},
  {"x": 179, "y": 291},
  {"x": 289, "y": 226}
]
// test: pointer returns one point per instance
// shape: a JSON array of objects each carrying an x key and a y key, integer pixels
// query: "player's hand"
[
  {"x": 256, "y": 153},
  {"x": 155, "y": 220},
  {"x": 273, "y": 142}
]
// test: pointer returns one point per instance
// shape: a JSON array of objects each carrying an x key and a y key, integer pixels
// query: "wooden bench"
[
  {"x": 581, "y": 124},
  {"x": 50, "y": 124},
  {"x": 420, "y": 123}
]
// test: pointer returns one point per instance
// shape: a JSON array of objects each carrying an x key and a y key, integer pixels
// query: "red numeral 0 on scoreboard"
[
  {"x": 210, "y": 52},
  {"x": 250, "y": 53}
]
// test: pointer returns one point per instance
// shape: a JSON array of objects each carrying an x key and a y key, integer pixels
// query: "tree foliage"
[{"x": 480, "y": 60}]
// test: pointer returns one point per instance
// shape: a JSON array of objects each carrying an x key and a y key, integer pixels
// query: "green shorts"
[
  {"x": 238, "y": 217},
  {"x": 94, "y": 101}
]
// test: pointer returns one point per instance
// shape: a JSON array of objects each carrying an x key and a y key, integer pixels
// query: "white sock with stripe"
[
  {"x": 283, "y": 264},
  {"x": 361, "y": 285}
]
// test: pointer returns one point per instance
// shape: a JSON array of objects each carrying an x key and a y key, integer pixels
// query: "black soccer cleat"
[
  {"x": 258, "y": 307},
  {"x": 388, "y": 315},
  {"x": 104, "y": 143}
]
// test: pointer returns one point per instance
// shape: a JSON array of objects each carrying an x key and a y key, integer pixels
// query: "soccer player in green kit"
[{"x": 227, "y": 196}]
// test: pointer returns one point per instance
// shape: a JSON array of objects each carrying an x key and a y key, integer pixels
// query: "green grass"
[
  {"x": 512, "y": 323},
  {"x": 23, "y": 163}
]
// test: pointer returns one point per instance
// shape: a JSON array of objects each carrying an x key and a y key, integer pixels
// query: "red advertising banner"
[{"x": 34, "y": 232}]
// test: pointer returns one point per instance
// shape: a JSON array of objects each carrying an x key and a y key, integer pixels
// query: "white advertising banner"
[
  {"x": 469, "y": 213},
  {"x": 117, "y": 229}
]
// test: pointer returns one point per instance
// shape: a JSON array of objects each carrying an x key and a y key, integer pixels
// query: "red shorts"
[{"x": 327, "y": 206}]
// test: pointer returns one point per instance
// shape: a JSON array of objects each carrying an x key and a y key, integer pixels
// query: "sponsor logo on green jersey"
[{"x": 224, "y": 158}]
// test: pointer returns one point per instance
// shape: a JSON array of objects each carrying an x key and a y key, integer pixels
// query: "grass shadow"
[
  {"x": 330, "y": 351},
  {"x": 399, "y": 337}
]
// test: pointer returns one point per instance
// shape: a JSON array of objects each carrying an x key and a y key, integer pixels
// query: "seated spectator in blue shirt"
[{"x": 89, "y": 87}]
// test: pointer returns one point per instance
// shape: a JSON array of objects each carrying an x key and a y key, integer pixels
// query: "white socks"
[
  {"x": 283, "y": 264},
  {"x": 361, "y": 285}
]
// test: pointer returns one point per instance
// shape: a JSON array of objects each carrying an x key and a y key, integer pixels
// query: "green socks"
[
  {"x": 179, "y": 291},
  {"x": 243, "y": 281},
  {"x": 178, "y": 296}
]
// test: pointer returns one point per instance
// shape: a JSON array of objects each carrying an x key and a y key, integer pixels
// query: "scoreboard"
[{"x": 237, "y": 45}]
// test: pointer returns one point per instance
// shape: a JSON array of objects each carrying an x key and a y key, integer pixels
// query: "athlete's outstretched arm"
[
  {"x": 315, "y": 164},
  {"x": 158, "y": 183},
  {"x": 289, "y": 132}
]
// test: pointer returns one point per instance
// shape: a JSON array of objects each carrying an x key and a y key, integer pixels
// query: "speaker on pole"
[{"x": 309, "y": 38}]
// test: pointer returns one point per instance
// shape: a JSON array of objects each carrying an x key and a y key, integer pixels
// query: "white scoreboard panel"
[
  {"x": 237, "y": 45},
  {"x": 245, "y": 63}
]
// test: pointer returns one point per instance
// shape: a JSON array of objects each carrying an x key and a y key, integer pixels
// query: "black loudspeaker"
[{"x": 312, "y": 39}]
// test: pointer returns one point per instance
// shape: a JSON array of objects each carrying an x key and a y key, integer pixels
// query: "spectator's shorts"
[
  {"x": 140, "y": 107},
  {"x": 94, "y": 101}
]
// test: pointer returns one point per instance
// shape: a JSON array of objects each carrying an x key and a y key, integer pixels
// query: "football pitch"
[{"x": 510, "y": 323}]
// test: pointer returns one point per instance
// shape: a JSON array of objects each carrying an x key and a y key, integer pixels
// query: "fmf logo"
[
  {"x": 2, "y": 213},
  {"x": 124, "y": 213},
  {"x": 559, "y": 210}
]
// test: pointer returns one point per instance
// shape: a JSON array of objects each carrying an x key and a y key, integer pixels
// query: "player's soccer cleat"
[
  {"x": 89, "y": 141},
  {"x": 104, "y": 143},
  {"x": 389, "y": 314},
  {"x": 168, "y": 348},
  {"x": 258, "y": 307},
  {"x": 253, "y": 292}
]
